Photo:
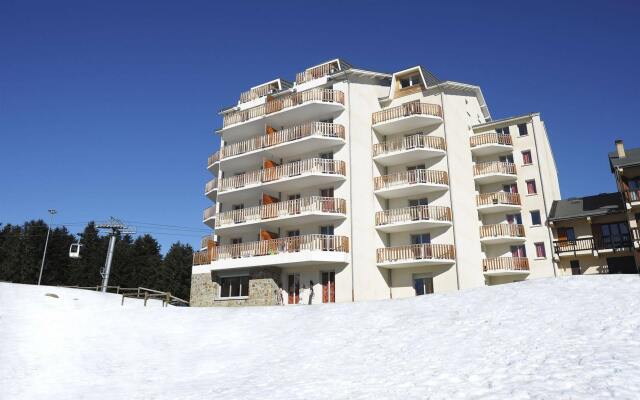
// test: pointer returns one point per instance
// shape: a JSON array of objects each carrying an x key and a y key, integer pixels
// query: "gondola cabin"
[{"x": 74, "y": 250}]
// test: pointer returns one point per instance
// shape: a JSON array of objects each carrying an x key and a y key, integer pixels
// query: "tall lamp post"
[{"x": 52, "y": 212}]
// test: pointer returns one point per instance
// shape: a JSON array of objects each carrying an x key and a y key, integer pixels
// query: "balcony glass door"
[
  {"x": 423, "y": 285},
  {"x": 417, "y": 212},
  {"x": 615, "y": 235},
  {"x": 420, "y": 252},
  {"x": 294, "y": 288},
  {"x": 329, "y": 287}
]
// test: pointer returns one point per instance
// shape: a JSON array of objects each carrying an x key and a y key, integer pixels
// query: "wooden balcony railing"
[
  {"x": 201, "y": 257},
  {"x": 405, "y": 110},
  {"x": 319, "y": 129},
  {"x": 283, "y": 209},
  {"x": 505, "y": 264},
  {"x": 490, "y": 138},
  {"x": 494, "y": 167},
  {"x": 486, "y": 199},
  {"x": 410, "y": 177},
  {"x": 632, "y": 195},
  {"x": 418, "y": 141},
  {"x": 317, "y": 72},
  {"x": 281, "y": 103},
  {"x": 296, "y": 168},
  {"x": 495, "y": 230},
  {"x": 618, "y": 243},
  {"x": 416, "y": 213},
  {"x": 258, "y": 92},
  {"x": 209, "y": 212},
  {"x": 214, "y": 158},
  {"x": 211, "y": 185},
  {"x": 279, "y": 246},
  {"x": 416, "y": 252}
]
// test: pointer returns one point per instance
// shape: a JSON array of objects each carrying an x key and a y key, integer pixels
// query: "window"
[
  {"x": 506, "y": 159},
  {"x": 503, "y": 131},
  {"x": 409, "y": 81},
  {"x": 419, "y": 202},
  {"x": 518, "y": 251},
  {"x": 615, "y": 235},
  {"x": 566, "y": 234},
  {"x": 522, "y": 130},
  {"x": 575, "y": 267},
  {"x": 326, "y": 156},
  {"x": 512, "y": 188},
  {"x": 531, "y": 187},
  {"x": 326, "y": 230},
  {"x": 423, "y": 238},
  {"x": 328, "y": 192},
  {"x": 526, "y": 157},
  {"x": 423, "y": 285},
  {"x": 536, "y": 219},
  {"x": 234, "y": 286},
  {"x": 514, "y": 219},
  {"x": 541, "y": 252}
]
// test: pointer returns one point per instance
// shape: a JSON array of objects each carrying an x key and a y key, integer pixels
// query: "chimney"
[{"x": 620, "y": 148}]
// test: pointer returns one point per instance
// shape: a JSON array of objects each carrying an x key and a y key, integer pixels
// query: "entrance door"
[
  {"x": 622, "y": 265},
  {"x": 329, "y": 287},
  {"x": 575, "y": 267},
  {"x": 294, "y": 288},
  {"x": 423, "y": 286}
]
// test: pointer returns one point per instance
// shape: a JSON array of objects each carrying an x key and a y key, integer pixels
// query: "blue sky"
[{"x": 108, "y": 108}]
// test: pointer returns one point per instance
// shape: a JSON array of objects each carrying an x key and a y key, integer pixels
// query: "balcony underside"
[
  {"x": 505, "y": 272},
  {"x": 289, "y": 184},
  {"x": 405, "y": 124},
  {"x": 285, "y": 222},
  {"x": 417, "y": 225},
  {"x": 214, "y": 168},
  {"x": 288, "y": 259},
  {"x": 407, "y": 156},
  {"x": 309, "y": 111},
  {"x": 498, "y": 208},
  {"x": 210, "y": 222},
  {"x": 491, "y": 148},
  {"x": 413, "y": 189},
  {"x": 495, "y": 178},
  {"x": 212, "y": 194},
  {"x": 502, "y": 239},
  {"x": 299, "y": 146},
  {"x": 425, "y": 262}
]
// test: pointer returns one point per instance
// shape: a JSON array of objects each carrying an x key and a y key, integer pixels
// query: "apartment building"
[
  {"x": 351, "y": 185},
  {"x": 599, "y": 234}
]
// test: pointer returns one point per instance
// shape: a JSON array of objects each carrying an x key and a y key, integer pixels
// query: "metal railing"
[
  {"x": 296, "y": 168},
  {"x": 418, "y": 141},
  {"x": 410, "y": 177},
  {"x": 505, "y": 264},
  {"x": 405, "y": 110},
  {"x": 281, "y": 103},
  {"x": 319, "y": 129},
  {"x": 496, "y": 230},
  {"x": 485, "y": 199},
  {"x": 305, "y": 205},
  {"x": 494, "y": 167},
  {"x": 490, "y": 138},
  {"x": 416, "y": 252},
  {"x": 277, "y": 246},
  {"x": 415, "y": 213}
]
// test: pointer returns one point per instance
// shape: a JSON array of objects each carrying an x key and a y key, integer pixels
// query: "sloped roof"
[
  {"x": 589, "y": 206},
  {"x": 632, "y": 157}
]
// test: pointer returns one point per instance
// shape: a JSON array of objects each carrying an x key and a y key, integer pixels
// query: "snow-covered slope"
[{"x": 557, "y": 339}]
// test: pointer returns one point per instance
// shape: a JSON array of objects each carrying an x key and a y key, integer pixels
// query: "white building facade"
[{"x": 353, "y": 185}]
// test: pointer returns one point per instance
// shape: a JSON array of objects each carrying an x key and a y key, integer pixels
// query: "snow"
[{"x": 563, "y": 338}]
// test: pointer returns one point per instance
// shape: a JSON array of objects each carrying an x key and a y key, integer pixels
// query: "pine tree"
[{"x": 176, "y": 270}]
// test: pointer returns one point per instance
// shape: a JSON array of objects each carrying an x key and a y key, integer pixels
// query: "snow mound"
[{"x": 559, "y": 338}]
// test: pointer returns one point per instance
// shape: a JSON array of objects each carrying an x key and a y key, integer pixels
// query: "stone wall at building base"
[
  {"x": 264, "y": 289},
  {"x": 203, "y": 290}
]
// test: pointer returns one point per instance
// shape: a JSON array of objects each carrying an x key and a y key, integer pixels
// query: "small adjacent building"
[{"x": 599, "y": 234}]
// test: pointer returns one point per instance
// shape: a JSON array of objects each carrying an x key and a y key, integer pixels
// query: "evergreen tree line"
[{"x": 136, "y": 262}]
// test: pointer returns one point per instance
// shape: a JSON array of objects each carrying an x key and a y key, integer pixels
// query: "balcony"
[
  {"x": 286, "y": 177},
  {"x": 406, "y": 117},
  {"x": 484, "y": 144},
  {"x": 289, "y": 109},
  {"x": 501, "y": 266},
  {"x": 498, "y": 202},
  {"x": 416, "y": 255},
  {"x": 213, "y": 163},
  {"x": 209, "y": 216},
  {"x": 494, "y": 172},
  {"x": 300, "y": 139},
  {"x": 409, "y": 183},
  {"x": 408, "y": 149},
  {"x": 321, "y": 71},
  {"x": 412, "y": 218},
  {"x": 306, "y": 210},
  {"x": 211, "y": 189},
  {"x": 291, "y": 251},
  {"x": 261, "y": 91},
  {"x": 206, "y": 242},
  {"x": 595, "y": 245},
  {"x": 502, "y": 233},
  {"x": 632, "y": 197}
]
